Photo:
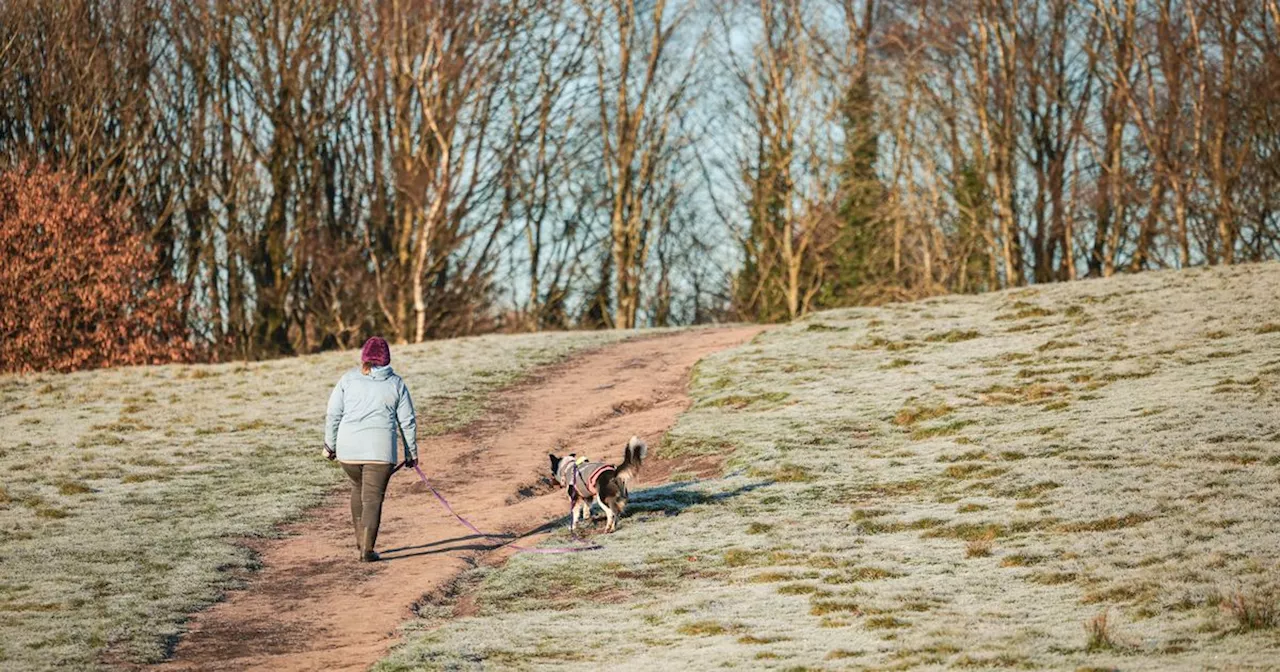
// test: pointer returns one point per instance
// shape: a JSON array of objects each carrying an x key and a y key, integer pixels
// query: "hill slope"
[
  {"x": 124, "y": 489},
  {"x": 1054, "y": 477}
]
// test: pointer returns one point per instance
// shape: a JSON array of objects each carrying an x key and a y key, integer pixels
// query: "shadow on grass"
[
  {"x": 670, "y": 499},
  {"x": 673, "y": 498}
]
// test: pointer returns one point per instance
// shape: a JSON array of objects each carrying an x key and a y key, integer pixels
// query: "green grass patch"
[
  {"x": 972, "y": 470},
  {"x": 1030, "y": 491},
  {"x": 1256, "y": 611},
  {"x": 779, "y": 576},
  {"x": 936, "y": 431},
  {"x": 742, "y": 401},
  {"x": 1053, "y": 578},
  {"x": 1107, "y": 524},
  {"x": 968, "y": 456},
  {"x": 144, "y": 477},
  {"x": 1127, "y": 375},
  {"x": 953, "y": 336},
  {"x": 1098, "y": 634},
  {"x": 52, "y": 512},
  {"x": 753, "y": 640},
  {"x": 825, "y": 607},
  {"x": 910, "y": 415},
  {"x": 885, "y": 622},
  {"x": 971, "y": 531},
  {"x": 890, "y": 527},
  {"x": 73, "y": 488},
  {"x": 801, "y": 589},
  {"x": 741, "y": 557},
  {"x": 705, "y": 629},
  {"x": 859, "y": 574},
  {"x": 1022, "y": 560},
  {"x": 994, "y": 662}
]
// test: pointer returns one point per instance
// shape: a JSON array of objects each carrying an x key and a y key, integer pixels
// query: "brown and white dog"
[{"x": 588, "y": 482}]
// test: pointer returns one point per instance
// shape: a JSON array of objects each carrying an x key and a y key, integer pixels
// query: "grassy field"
[
  {"x": 1081, "y": 476},
  {"x": 124, "y": 489}
]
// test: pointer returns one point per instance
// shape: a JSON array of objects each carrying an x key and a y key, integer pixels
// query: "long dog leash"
[{"x": 521, "y": 549}]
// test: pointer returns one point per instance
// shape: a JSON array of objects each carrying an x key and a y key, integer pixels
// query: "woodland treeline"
[{"x": 304, "y": 174}]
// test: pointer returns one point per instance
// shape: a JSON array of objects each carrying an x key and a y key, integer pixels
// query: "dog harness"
[{"x": 581, "y": 479}]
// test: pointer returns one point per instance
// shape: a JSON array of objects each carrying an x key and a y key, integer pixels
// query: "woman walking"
[{"x": 366, "y": 409}]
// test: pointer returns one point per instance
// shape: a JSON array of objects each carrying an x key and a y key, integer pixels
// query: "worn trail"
[{"x": 314, "y": 607}]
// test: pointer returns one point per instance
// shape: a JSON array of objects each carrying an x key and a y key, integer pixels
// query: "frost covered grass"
[
  {"x": 125, "y": 489},
  {"x": 1060, "y": 477}
]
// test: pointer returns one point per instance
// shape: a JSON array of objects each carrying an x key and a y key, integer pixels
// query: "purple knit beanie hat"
[{"x": 376, "y": 352}]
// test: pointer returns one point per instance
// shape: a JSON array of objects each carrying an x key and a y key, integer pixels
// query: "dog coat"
[{"x": 584, "y": 482}]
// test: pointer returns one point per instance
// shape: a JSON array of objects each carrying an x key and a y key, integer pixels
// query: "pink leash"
[{"x": 523, "y": 549}]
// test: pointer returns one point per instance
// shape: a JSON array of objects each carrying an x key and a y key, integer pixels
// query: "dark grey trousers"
[{"x": 368, "y": 487}]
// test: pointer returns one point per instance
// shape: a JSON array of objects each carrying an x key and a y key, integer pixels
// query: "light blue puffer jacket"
[{"x": 364, "y": 414}]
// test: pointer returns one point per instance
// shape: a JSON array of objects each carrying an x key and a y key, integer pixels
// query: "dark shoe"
[{"x": 370, "y": 556}]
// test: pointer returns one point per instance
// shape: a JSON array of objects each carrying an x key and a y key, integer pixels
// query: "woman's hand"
[
  {"x": 330, "y": 453},
  {"x": 410, "y": 462}
]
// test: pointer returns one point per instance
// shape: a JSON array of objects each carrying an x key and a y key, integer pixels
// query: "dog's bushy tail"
[{"x": 632, "y": 458}]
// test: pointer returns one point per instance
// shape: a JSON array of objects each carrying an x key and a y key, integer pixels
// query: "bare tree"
[
  {"x": 430, "y": 76},
  {"x": 642, "y": 88}
]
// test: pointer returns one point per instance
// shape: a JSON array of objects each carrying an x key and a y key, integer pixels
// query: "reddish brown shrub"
[{"x": 77, "y": 283}]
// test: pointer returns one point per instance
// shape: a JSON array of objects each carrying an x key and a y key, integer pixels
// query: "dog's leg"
[
  {"x": 608, "y": 516},
  {"x": 573, "y": 512},
  {"x": 584, "y": 510},
  {"x": 590, "y": 514},
  {"x": 617, "y": 513}
]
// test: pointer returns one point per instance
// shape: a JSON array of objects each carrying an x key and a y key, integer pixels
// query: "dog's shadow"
[
  {"x": 668, "y": 499},
  {"x": 672, "y": 499}
]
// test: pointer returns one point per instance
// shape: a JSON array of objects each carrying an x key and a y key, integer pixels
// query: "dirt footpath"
[{"x": 313, "y": 606}]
